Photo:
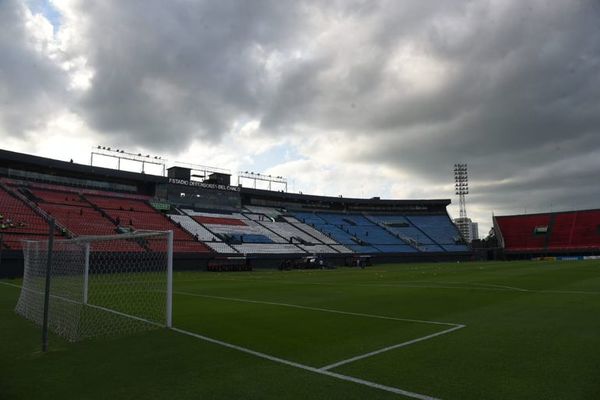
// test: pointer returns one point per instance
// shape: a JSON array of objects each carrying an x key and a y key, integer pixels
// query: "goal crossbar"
[{"x": 100, "y": 285}]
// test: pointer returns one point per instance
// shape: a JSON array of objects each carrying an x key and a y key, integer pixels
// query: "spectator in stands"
[
  {"x": 130, "y": 222},
  {"x": 118, "y": 220}
]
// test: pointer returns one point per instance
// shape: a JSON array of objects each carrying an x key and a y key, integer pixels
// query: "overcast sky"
[{"x": 359, "y": 98}]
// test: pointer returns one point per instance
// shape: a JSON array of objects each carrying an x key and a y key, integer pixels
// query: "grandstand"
[
  {"x": 549, "y": 234},
  {"x": 213, "y": 219}
]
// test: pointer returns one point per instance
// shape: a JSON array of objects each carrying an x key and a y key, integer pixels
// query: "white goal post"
[{"x": 100, "y": 285}]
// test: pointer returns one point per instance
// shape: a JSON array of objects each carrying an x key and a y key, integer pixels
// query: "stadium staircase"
[
  {"x": 135, "y": 214},
  {"x": 21, "y": 220}
]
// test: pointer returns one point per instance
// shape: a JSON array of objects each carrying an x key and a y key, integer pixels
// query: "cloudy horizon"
[{"x": 351, "y": 98}]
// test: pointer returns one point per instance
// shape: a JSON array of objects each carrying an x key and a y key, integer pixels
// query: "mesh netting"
[{"x": 123, "y": 291}]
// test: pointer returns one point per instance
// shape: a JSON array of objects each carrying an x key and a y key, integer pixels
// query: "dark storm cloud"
[
  {"x": 511, "y": 87},
  {"x": 32, "y": 87},
  {"x": 183, "y": 70}
]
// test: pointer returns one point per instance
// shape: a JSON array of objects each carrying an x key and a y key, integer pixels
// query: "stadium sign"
[{"x": 203, "y": 185}]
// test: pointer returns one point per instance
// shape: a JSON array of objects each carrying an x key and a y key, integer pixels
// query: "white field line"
[
  {"x": 495, "y": 288},
  {"x": 489, "y": 289},
  {"x": 42, "y": 293},
  {"x": 395, "y": 346},
  {"x": 316, "y": 309},
  {"x": 10, "y": 284},
  {"x": 356, "y": 358},
  {"x": 122, "y": 314},
  {"x": 346, "y": 378},
  {"x": 485, "y": 285}
]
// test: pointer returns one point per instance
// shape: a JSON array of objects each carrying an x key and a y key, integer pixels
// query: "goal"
[{"x": 100, "y": 285}]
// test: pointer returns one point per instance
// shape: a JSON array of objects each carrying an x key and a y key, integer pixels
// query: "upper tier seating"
[
  {"x": 141, "y": 216},
  {"x": 267, "y": 211},
  {"x": 551, "y": 232},
  {"x": 358, "y": 233},
  {"x": 259, "y": 234},
  {"x": 586, "y": 230},
  {"x": 235, "y": 226},
  {"x": 80, "y": 218},
  {"x": 119, "y": 203},
  {"x": 438, "y": 227},
  {"x": 194, "y": 228},
  {"x": 202, "y": 234},
  {"x": 219, "y": 221},
  {"x": 310, "y": 230},
  {"x": 289, "y": 232},
  {"x": 519, "y": 231},
  {"x": 60, "y": 197},
  {"x": 402, "y": 227},
  {"x": 19, "y": 222},
  {"x": 562, "y": 231}
]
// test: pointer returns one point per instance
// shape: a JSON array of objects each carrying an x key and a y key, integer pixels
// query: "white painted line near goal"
[
  {"x": 54, "y": 296},
  {"x": 407, "y": 285},
  {"x": 78, "y": 302},
  {"x": 10, "y": 284},
  {"x": 395, "y": 346},
  {"x": 122, "y": 314},
  {"x": 485, "y": 285},
  {"x": 328, "y": 310},
  {"x": 347, "y": 378}
]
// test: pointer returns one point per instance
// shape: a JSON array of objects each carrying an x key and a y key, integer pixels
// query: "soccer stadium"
[
  {"x": 297, "y": 199},
  {"x": 235, "y": 292}
]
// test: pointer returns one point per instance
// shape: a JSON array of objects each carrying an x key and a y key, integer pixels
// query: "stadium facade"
[{"x": 213, "y": 221}]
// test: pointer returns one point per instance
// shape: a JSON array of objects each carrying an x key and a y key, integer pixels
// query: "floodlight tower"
[{"x": 461, "y": 187}]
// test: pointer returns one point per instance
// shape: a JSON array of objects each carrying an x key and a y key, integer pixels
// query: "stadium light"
[
  {"x": 255, "y": 176},
  {"x": 461, "y": 189}
]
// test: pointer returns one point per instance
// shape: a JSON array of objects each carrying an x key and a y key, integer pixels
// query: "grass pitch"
[{"x": 518, "y": 330}]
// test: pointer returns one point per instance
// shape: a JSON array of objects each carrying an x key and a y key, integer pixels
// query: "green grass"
[{"x": 532, "y": 331}]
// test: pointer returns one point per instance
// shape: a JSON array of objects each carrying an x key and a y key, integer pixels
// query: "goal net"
[{"x": 100, "y": 285}]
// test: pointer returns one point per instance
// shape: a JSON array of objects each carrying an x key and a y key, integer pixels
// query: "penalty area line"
[
  {"x": 328, "y": 310},
  {"x": 10, "y": 284},
  {"x": 346, "y": 378},
  {"x": 392, "y": 347},
  {"x": 342, "y": 377}
]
